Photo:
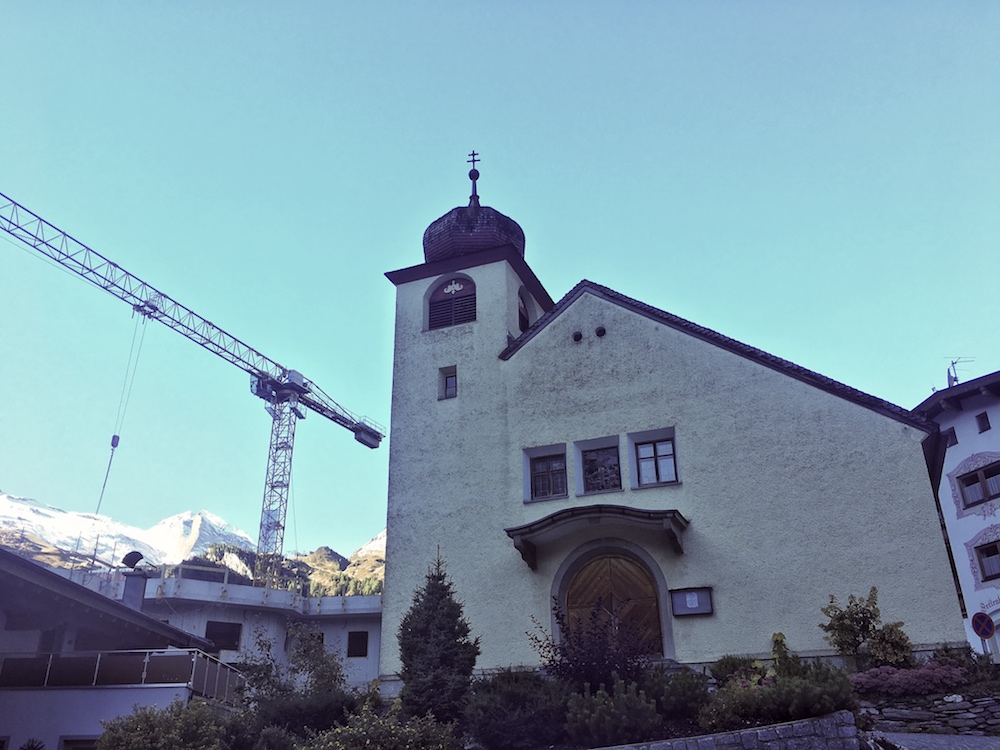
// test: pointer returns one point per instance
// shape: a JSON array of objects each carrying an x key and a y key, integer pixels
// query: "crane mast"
[{"x": 287, "y": 393}]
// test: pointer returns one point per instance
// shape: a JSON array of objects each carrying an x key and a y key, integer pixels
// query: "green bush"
[
  {"x": 367, "y": 730},
  {"x": 821, "y": 690},
  {"x": 890, "y": 646},
  {"x": 856, "y": 631},
  {"x": 196, "y": 726},
  {"x": 729, "y": 665},
  {"x": 602, "y": 718},
  {"x": 591, "y": 651},
  {"x": 516, "y": 710},
  {"x": 678, "y": 694}
]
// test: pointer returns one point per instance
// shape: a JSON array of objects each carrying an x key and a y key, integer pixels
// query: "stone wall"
[
  {"x": 833, "y": 732},
  {"x": 940, "y": 714}
]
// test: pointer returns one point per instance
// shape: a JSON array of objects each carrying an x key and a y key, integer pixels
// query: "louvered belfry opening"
[
  {"x": 453, "y": 302},
  {"x": 625, "y": 594}
]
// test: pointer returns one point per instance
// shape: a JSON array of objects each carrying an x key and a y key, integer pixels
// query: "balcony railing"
[{"x": 205, "y": 676}]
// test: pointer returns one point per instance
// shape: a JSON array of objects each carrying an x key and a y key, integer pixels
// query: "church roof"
[{"x": 791, "y": 369}]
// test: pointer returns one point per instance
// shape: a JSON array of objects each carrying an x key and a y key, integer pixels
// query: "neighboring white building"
[
  {"x": 71, "y": 657},
  {"x": 966, "y": 476},
  {"x": 235, "y": 617},
  {"x": 599, "y": 447}
]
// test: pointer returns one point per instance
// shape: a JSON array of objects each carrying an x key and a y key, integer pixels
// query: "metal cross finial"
[{"x": 473, "y": 175}]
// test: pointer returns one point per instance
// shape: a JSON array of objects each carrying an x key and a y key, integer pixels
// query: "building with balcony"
[{"x": 71, "y": 657}]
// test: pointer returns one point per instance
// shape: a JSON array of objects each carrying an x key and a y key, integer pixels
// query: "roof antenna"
[
  {"x": 953, "y": 369},
  {"x": 473, "y": 175}
]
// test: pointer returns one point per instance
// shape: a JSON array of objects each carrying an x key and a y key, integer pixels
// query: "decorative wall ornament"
[
  {"x": 453, "y": 288},
  {"x": 987, "y": 535}
]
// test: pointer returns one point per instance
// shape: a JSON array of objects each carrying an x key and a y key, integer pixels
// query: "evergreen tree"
[{"x": 437, "y": 653}]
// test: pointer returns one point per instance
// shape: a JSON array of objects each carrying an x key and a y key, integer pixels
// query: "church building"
[{"x": 599, "y": 449}]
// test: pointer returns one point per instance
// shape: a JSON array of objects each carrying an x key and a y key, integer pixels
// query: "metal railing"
[{"x": 204, "y": 675}]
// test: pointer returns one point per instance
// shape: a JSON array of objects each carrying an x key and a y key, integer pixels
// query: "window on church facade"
[
  {"x": 989, "y": 560},
  {"x": 601, "y": 469},
  {"x": 447, "y": 382},
  {"x": 980, "y": 486},
  {"x": 655, "y": 461},
  {"x": 548, "y": 477},
  {"x": 453, "y": 302}
]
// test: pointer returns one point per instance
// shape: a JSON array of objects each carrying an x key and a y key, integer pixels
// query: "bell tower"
[{"x": 455, "y": 313}]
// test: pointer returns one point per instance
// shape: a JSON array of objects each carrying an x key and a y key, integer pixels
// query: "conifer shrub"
[
  {"x": 729, "y": 665},
  {"x": 516, "y": 710},
  {"x": 437, "y": 651},
  {"x": 757, "y": 693},
  {"x": 678, "y": 694},
  {"x": 611, "y": 718}
]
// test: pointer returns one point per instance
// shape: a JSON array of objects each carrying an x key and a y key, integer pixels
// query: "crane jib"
[{"x": 285, "y": 390}]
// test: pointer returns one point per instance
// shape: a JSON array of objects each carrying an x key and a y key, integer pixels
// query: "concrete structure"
[
  {"x": 966, "y": 477},
  {"x": 238, "y": 618},
  {"x": 599, "y": 448},
  {"x": 70, "y": 658}
]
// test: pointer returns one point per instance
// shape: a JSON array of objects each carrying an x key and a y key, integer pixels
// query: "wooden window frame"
[
  {"x": 549, "y": 473},
  {"x": 995, "y": 548},
  {"x": 655, "y": 458},
  {"x": 979, "y": 478}
]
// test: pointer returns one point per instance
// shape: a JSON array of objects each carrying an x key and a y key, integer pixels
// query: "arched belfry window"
[
  {"x": 624, "y": 595},
  {"x": 453, "y": 302}
]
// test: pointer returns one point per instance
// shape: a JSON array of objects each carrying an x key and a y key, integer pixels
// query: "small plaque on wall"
[{"x": 691, "y": 601}]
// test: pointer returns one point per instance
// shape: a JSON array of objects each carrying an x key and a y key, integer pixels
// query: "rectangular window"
[
  {"x": 983, "y": 421},
  {"x": 225, "y": 635},
  {"x": 989, "y": 560},
  {"x": 980, "y": 486},
  {"x": 447, "y": 382},
  {"x": 950, "y": 438},
  {"x": 601, "y": 470},
  {"x": 656, "y": 462},
  {"x": 357, "y": 643},
  {"x": 548, "y": 477}
]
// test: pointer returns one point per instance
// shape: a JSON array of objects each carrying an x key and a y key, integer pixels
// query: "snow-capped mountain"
[{"x": 25, "y": 521}]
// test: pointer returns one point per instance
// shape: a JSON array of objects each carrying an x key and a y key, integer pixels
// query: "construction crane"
[{"x": 287, "y": 393}]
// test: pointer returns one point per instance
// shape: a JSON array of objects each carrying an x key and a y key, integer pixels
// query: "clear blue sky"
[{"x": 818, "y": 180}]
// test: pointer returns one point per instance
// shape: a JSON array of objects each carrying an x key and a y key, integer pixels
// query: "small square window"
[
  {"x": 357, "y": 643},
  {"x": 225, "y": 635},
  {"x": 548, "y": 477},
  {"x": 655, "y": 461},
  {"x": 989, "y": 560},
  {"x": 983, "y": 421},
  {"x": 447, "y": 382},
  {"x": 950, "y": 438},
  {"x": 601, "y": 470}
]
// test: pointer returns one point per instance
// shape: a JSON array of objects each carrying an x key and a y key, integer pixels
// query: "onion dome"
[{"x": 471, "y": 229}]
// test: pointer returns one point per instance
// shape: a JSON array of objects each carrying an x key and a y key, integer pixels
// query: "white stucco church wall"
[{"x": 793, "y": 487}]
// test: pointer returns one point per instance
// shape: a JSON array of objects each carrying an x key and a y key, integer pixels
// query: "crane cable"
[{"x": 123, "y": 399}]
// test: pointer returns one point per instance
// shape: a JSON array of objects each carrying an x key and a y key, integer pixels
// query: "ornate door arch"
[{"x": 625, "y": 593}]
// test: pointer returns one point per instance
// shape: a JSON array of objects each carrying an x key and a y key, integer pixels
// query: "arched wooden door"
[{"x": 625, "y": 593}]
